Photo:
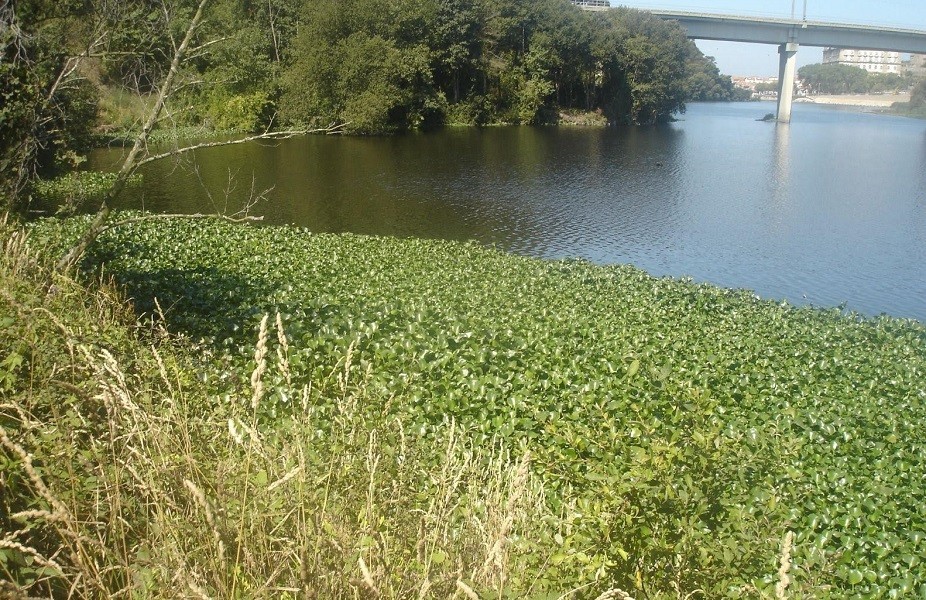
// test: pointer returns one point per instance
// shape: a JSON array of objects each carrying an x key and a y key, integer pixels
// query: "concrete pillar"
[{"x": 787, "y": 67}]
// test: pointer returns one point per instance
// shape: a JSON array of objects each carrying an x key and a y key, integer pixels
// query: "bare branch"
[
  {"x": 272, "y": 135},
  {"x": 201, "y": 47},
  {"x": 254, "y": 197},
  {"x": 167, "y": 20},
  {"x": 153, "y": 217}
]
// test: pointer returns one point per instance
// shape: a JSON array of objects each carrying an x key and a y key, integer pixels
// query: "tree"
[
  {"x": 705, "y": 83},
  {"x": 918, "y": 95},
  {"x": 48, "y": 108},
  {"x": 364, "y": 64},
  {"x": 652, "y": 56},
  {"x": 847, "y": 79},
  {"x": 455, "y": 43},
  {"x": 885, "y": 82}
]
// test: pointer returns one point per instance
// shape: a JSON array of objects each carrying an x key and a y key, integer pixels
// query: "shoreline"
[{"x": 855, "y": 100}]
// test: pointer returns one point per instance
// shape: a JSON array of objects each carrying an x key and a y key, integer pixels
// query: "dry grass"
[
  {"x": 784, "y": 580},
  {"x": 123, "y": 108},
  {"x": 124, "y": 474}
]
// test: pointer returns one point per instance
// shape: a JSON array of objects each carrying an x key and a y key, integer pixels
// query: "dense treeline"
[
  {"x": 706, "y": 84},
  {"x": 382, "y": 66},
  {"x": 847, "y": 79},
  {"x": 74, "y": 68},
  {"x": 71, "y": 68}
]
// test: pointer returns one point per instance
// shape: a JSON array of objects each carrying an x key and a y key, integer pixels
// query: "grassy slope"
[
  {"x": 679, "y": 430},
  {"x": 131, "y": 461}
]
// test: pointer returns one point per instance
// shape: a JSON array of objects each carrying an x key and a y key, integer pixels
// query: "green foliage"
[
  {"x": 834, "y": 79},
  {"x": 886, "y": 82},
  {"x": 139, "y": 37},
  {"x": 74, "y": 191},
  {"x": 250, "y": 113},
  {"x": 121, "y": 111},
  {"x": 918, "y": 95},
  {"x": 373, "y": 74},
  {"x": 846, "y": 79},
  {"x": 654, "y": 56},
  {"x": 706, "y": 84},
  {"x": 72, "y": 128},
  {"x": 17, "y": 115},
  {"x": 916, "y": 107},
  {"x": 472, "y": 111},
  {"x": 503, "y": 61},
  {"x": 46, "y": 116},
  {"x": 679, "y": 429}
]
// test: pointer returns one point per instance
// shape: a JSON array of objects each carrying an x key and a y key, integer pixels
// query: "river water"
[{"x": 829, "y": 210}]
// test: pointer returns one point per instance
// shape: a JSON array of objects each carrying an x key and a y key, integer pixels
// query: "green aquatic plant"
[
  {"x": 680, "y": 430},
  {"x": 75, "y": 190}
]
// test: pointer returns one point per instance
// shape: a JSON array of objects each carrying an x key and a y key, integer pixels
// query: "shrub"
[{"x": 250, "y": 113}]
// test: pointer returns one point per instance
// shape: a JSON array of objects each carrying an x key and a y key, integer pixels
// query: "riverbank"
[
  {"x": 138, "y": 462},
  {"x": 857, "y": 100},
  {"x": 669, "y": 433}
]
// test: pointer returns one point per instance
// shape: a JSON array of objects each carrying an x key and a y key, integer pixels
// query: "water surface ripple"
[{"x": 829, "y": 210}]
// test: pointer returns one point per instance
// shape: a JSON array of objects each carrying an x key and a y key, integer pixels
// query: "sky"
[{"x": 760, "y": 59}]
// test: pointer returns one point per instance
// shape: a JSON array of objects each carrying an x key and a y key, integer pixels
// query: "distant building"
[
  {"x": 762, "y": 88},
  {"x": 873, "y": 61},
  {"x": 592, "y": 4}
]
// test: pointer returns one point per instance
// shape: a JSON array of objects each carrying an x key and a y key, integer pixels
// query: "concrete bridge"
[{"x": 789, "y": 34}]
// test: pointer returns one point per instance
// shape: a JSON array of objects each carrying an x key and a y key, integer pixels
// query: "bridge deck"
[{"x": 765, "y": 30}]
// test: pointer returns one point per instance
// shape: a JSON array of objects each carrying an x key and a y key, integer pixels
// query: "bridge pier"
[
  {"x": 787, "y": 67},
  {"x": 786, "y": 34}
]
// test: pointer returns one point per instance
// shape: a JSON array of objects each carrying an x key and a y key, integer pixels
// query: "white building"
[
  {"x": 873, "y": 61},
  {"x": 592, "y": 4}
]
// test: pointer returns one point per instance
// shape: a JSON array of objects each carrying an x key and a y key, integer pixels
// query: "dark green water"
[{"x": 829, "y": 210}]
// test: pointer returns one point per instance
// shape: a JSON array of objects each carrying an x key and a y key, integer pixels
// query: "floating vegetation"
[
  {"x": 72, "y": 191},
  {"x": 681, "y": 431}
]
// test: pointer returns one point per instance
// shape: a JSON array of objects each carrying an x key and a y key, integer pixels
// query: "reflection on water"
[
  {"x": 830, "y": 209},
  {"x": 781, "y": 162}
]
